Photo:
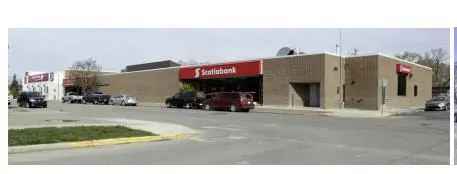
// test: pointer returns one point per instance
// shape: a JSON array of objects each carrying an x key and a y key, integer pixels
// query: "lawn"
[{"x": 48, "y": 135}]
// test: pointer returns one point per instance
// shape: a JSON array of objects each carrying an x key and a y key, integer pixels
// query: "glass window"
[{"x": 415, "y": 90}]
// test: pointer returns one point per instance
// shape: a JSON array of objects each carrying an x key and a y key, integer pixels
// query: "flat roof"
[{"x": 277, "y": 57}]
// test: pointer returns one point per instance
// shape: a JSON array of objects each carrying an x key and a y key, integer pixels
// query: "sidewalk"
[{"x": 347, "y": 112}]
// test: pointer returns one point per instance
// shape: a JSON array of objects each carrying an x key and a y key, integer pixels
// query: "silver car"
[
  {"x": 123, "y": 100},
  {"x": 438, "y": 103}
]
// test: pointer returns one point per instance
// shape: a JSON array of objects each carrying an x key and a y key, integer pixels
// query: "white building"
[{"x": 49, "y": 84}]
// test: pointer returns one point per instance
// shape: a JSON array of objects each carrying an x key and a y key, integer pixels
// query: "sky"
[{"x": 47, "y": 50}]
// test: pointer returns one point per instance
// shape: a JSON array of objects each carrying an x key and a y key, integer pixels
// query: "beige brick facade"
[
  {"x": 146, "y": 86},
  {"x": 288, "y": 80}
]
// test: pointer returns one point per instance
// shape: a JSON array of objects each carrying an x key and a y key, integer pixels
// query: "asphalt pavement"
[{"x": 252, "y": 138}]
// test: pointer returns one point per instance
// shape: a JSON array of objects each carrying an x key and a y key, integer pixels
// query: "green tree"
[{"x": 14, "y": 87}]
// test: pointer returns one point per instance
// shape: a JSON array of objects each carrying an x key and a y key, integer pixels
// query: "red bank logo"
[
  {"x": 197, "y": 73},
  {"x": 403, "y": 69},
  {"x": 201, "y": 72}
]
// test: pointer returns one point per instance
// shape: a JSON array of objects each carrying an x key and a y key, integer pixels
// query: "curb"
[{"x": 94, "y": 143}]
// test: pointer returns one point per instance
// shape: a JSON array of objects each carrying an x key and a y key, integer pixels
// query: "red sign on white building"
[
  {"x": 227, "y": 70},
  {"x": 38, "y": 78},
  {"x": 405, "y": 69}
]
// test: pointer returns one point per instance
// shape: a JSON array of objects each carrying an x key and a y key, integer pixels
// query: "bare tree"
[
  {"x": 84, "y": 74},
  {"x": 410, "y": 56},
  {"x": 435, "y": 59},
  {"x": 355, "y": 52}
]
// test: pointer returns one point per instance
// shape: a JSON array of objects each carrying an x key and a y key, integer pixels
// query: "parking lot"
[{"x": 256, "y": 137}]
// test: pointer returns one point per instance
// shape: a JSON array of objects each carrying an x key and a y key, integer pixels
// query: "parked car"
[
  {"x": 438, "y": 103},
  {"x": 186, "y": 100},
  {"x": 10, "y": 99},
  {"x": 72, "y": 98},
  {"x": 123, "y": 100},
  {"x": 232, "y": 101},
  {"x": 96, "y": 98},
  {"x": 31, "y": 99}
]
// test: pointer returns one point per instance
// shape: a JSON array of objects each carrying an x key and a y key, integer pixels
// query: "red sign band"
[
  {"x": 228, "y": 70},
  {"x": 38, "y": 78}
]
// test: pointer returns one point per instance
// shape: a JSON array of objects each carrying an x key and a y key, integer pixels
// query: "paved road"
[{"x": 254, "y": 138}]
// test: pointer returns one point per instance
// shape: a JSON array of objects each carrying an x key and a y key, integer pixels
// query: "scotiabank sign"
[
  {"x": 239, "y": 69},
  {"x": 38, "y": 78},
  {"x": 404, "y": 69}
]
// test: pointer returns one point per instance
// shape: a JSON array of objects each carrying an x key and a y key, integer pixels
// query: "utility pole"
[{"x": 341, "y": 90}]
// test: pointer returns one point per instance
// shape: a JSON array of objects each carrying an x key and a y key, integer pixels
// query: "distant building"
[
  {"x": 49, "y": 84},
  {"x": 149, "y": 66},
  {"x": 52, "y": 85}
]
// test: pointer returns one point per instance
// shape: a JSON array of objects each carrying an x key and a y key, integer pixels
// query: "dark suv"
[
  {"x": 186, "y": 100},
  {"x": 31, "y": 99},
  {"x": 96, "y": 98},
  {"x": 232, "y": 101}
]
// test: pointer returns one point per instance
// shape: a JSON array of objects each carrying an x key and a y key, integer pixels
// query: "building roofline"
[
  {"x": 273, "y": 57},
  {"x": 147, "y": 70},
  {"x": 391, "y": 57}
]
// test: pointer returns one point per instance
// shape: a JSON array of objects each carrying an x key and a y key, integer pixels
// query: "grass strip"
[{"x": 48, "y": 135}]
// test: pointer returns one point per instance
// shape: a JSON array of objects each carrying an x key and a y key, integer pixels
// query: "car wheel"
[
  {"x": 207, "y": 107},
  {"x": 187, "y": 106},
  {"x": 232, "y": 108},
  {"x": 168, "y": 104}
]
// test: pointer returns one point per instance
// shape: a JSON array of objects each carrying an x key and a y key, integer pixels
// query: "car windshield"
[
  {"x": 35, "y": 94},
  {"x": 247, "y": 96}
]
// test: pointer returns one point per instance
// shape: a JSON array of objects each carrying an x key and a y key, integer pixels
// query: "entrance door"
[
  {"x": 314, "y": 95},
  {"x": 305, "y": 94}
]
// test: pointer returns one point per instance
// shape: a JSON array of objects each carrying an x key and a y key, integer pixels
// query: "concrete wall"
[
  {"x": 362, "y": 82},
  {"x": 146, "y": 86},
  {"x": 420, "y": 76}
]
